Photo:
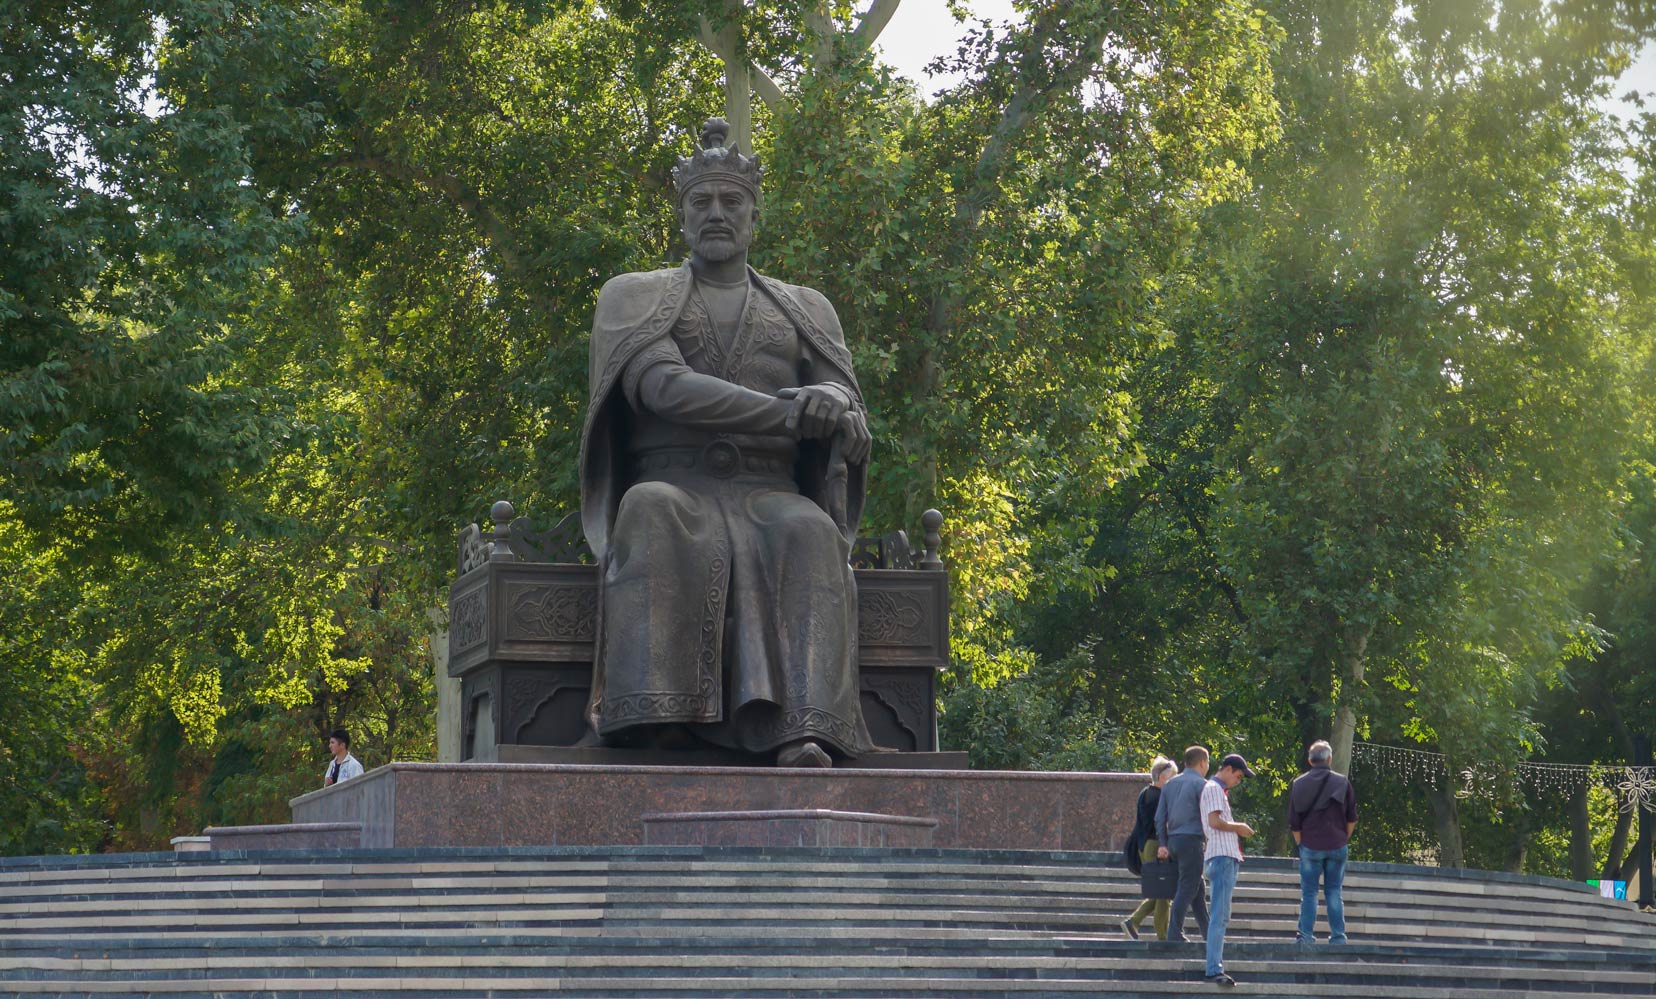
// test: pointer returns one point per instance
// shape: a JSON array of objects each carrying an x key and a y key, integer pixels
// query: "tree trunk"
[
  {"x": 1523, "y": 832},
  {"x": 1345, "y": 734},
  {"x": 1446, "y": 823},
  {"x": 1353, "y": 658},
  {"x": 739, "y": 104},
  {"x": 728, "y": 45},
  {"x": 1581, "y": 835},
  {"x": 1311, "y": 720},
  {"x": 1616, "y": 860}
]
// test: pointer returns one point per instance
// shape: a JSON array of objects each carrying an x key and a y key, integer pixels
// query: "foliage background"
[{"x": 1284, "y": 371}]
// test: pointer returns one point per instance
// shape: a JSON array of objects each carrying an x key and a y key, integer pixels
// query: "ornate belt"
[{"x": 720, "y": 459}]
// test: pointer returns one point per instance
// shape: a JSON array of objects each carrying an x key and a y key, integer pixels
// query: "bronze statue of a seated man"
[{"x": 722, "y": 479}]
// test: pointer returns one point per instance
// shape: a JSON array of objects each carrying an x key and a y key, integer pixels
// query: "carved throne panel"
[{"x": 522, "y": 630}]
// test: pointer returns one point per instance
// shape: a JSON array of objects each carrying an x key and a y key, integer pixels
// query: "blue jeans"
[
  {"x": 1329, "y": 867},
  {"x": 1221, "y": 875}
]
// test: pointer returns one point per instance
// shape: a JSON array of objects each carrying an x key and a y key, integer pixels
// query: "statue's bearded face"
[{"x": 718, "y": 219}]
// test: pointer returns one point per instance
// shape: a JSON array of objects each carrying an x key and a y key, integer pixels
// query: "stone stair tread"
[
  {"x": 333, "y": 918},
  {"x": 654, "y": 868},
  {"x": 1137, "y": 965},
  {"x": 327, "y": 884},
  {"x": 556, "y": 921},
  {"x": 1128, "y": 965},
  {"x": 785, "y": 985},
  {"x": 316, "y": 901},
  {"x": 507, "y": 891}
]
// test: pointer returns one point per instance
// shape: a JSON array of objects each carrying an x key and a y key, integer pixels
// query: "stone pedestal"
[
  {"x": 711, "y": 756},
  {"x": 798, "y": 827},
  {"x": 495, "y": 804},
  {"x": 293, "y": 836}
]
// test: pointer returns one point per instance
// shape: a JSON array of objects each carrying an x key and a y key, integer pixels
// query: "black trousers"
[{"x": 1187, "y": 854}]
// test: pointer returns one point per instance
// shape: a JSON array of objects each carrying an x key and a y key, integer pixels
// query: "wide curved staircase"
[{"x": 692, "y": 922}]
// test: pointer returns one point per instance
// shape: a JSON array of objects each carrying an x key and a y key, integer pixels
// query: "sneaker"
[
  {"x": 1221, "y": 979},
  {"x": 1128, "y": 928}
]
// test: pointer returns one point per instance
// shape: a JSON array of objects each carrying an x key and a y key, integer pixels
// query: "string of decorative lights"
[{"x": 1635, "y": 787}]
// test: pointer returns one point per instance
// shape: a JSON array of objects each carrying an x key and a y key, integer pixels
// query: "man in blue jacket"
[{"x": 1179, "y": 829}]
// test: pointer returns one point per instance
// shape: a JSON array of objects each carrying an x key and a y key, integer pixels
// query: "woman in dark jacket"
[{"x": 1162, "y": 770}]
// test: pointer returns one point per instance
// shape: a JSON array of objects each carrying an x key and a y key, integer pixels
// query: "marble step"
[
  {"x": 1377, "y": 891},
  {"x": 715, "y": 921},
  {"x": 844, "y": 950},
  {"x": 1052, "y": 883},
  {"x": 1285, "y": 965},
  {"x": 803, "y": 986}
]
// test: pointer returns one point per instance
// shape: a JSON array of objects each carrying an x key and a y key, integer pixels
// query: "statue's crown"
[{"x": 716, "y": 161}]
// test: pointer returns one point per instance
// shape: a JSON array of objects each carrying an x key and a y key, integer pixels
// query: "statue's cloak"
[{"x": 636, "y": 311}]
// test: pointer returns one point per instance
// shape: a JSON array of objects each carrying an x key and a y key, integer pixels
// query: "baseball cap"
[{"x": 1236, "y": 762}]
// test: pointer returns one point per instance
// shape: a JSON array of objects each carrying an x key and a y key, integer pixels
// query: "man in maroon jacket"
[{"x": 1322, "y": 812}]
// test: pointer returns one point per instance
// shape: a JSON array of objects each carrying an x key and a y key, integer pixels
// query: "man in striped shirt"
[{"x": 1222, "y": 858}]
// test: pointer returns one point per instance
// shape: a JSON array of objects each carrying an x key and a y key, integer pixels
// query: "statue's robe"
[{"x": 726, "y": 602}]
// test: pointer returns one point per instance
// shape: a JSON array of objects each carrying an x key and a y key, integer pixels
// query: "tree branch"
[
  {"x": 769, "y": 92},
  {"x": 991, "y": 161},
  {"x": 1189, "y": 514},
  {"x": 742, "y": 80},
  {"x": 1604, "y": 705},
  {"x": 872, "y": 23},
  {"x": 820, "y": 28},
  {"x": 496, "y": 230},
  {"x": 711, "y": 39}
]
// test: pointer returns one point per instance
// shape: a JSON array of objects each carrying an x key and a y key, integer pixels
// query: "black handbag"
[
  {"x": 1159, "y": 880},
  {"x": 1130, "y": 851}
]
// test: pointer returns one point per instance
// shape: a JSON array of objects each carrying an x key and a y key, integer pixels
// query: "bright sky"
[
  {"x": 922, "y": 30},
  {"x": 1641, "y": 77}
]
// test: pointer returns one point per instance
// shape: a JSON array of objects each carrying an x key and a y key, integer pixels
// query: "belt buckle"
[{"x": 722, "y": 459}]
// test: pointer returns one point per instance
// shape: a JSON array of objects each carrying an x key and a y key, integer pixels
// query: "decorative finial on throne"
[
  {"x": 501, "y": 513},
  {"x": 932, "y": 523}
]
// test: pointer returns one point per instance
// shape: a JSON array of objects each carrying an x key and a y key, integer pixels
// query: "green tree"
[
  {"x": 1384, "y": 445},
  {"x": 131, "y": 235}
]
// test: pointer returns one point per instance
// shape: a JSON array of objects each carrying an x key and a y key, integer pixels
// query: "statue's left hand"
[
  {"x": 817, "y": 409},
  {"x": 855, "y": 438}
]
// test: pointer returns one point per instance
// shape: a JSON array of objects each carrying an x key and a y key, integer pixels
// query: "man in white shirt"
[
  {"x": 344, "y": 766},
  {"x": 1222, "y": 858}
]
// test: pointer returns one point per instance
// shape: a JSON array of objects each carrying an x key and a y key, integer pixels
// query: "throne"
[{"x": 522, "y": 625}]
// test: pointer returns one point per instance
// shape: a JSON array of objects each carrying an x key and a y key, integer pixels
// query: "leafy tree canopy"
[{"x": 1281, "y": 372}]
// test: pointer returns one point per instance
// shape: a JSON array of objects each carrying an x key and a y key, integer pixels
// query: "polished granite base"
[
  {"x": 293, "y": 836},
  {"x": 706, "y": 756},
  {"x": 809, "y": 827},
  {"x": 504, "y": 804}
]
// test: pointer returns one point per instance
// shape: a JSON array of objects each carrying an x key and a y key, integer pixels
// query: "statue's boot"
[
  {"x": 590, "y": 740},
  {"x": 804, "y": 753},
  {"x": 677, "y": 738}
]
